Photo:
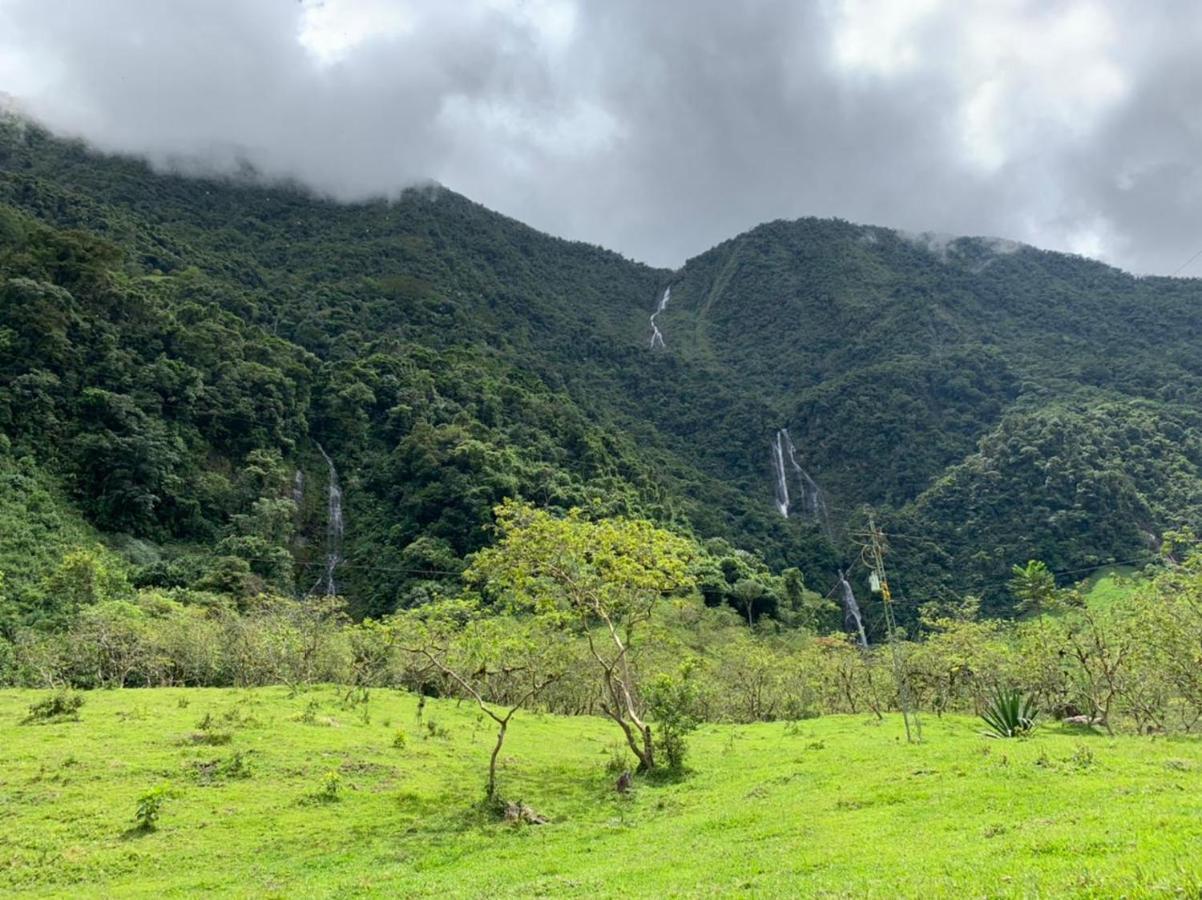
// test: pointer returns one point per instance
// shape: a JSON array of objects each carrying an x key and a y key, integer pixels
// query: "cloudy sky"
[{"x": 661, "y": 128}]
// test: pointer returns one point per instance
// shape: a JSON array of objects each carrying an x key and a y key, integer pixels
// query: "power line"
[{"x": 1179, "y": 269}]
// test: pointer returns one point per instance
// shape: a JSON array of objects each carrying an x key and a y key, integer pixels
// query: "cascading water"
[
  {"x": 334, "y": 529},
  {"x": 782, "y": 482},
  {"x": 784, "y": 460},
  {"x": 298, "y": 488},
  {"x": 852, "y": 620},
  {"x": 813, "y": 506},
  {"x": 657, "y": 337}
]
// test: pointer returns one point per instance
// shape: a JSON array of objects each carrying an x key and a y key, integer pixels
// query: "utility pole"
[{"x": 873, "y": 555}]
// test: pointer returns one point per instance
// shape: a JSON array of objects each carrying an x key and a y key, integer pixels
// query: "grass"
[
  {"x": 1107, "y": 586},
  {"x": 838, "y": 806}
]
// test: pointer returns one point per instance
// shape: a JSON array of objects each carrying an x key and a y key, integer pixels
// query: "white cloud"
[
  {"x": 660, "y": 129},
  {"x": 330, "y": 29}
]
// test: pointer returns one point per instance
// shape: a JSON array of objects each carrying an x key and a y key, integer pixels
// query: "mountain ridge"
[{"x": 449, "y": 356}]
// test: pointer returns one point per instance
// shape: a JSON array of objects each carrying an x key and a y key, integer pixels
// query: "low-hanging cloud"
[{"x": 661, "y": 129}]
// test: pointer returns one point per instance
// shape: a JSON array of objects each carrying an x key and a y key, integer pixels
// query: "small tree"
[
  {"x": 605, "y": 577},
  {"x": 748, "y": 592},
  {"x": 501, "y": 662},
  {"x": 150, "y": 805},
  {"x": 672, "y": 700},
  {"x": 1033, "y": 586},
  {"x": 1102, "y": 648}
]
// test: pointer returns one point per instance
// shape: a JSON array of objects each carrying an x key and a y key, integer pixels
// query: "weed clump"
[
  {"x": 209, "y": 734},
  {"x": 213, "y": 771},
  {"x": 617, "y": 760},
  {"x": 61, "y": 706},
  {"x": 150, "y": 806},
  {"x": 309, "y": 715},
  {"x": 327, "y": 789},
  {"x": 1082, "y": 758}
]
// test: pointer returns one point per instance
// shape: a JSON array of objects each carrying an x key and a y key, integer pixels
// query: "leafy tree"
[
  {"x": 1034, "y": 586},
  {"x": 502, "y": 663},
  {"x": 605, "y": 576},
  {"x": 84, "y": 577}
]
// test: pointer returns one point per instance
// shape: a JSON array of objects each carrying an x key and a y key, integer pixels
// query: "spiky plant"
[{"x": 1009, "y": 714}]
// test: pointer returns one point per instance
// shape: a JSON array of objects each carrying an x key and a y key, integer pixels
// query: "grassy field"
[
  {"x": 1109, "y": 585},
  {"x": 839, "y": 806}
]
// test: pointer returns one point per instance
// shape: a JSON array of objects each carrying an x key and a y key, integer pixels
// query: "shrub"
[
  {"x": 327, "y": 791},
  {"x": 309, "y": 716},
  {"x": 1009, "y": 714},
  {"x": 672, "y": 703},
  {"x": 150, "y": 805},
  {"x": 211, "y": 738},
  {"x": 617, "y": 759},
  {"x": 398, "y": 739},
  {"x": 60, "y": 706},
  {"x": 234, "y": 766},
  {"x": 1082, "y": 758}
]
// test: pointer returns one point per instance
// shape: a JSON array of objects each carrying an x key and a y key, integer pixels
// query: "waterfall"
[
  {"x": 852, "y": 620},
  {"x": 334, "y": 529},
  {"x": 298, "y": 488},
  {"x": 782, "y": 482},
  {"x": 657, "y": 337},
  {"x": 813, "y": 506}
]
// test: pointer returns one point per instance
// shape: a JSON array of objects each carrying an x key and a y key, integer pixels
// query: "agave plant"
[{"x": 1009, "y": 714}]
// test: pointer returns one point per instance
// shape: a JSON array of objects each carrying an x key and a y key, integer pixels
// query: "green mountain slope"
[
  {"x": 997, "y": 402},
  {"x": 177, "y": 352}
]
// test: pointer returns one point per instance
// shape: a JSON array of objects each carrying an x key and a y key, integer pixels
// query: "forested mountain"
[{"x": 179, "y": 356}]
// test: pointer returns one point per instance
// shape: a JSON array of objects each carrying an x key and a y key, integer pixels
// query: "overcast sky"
[{"x": 660, "y": 128}]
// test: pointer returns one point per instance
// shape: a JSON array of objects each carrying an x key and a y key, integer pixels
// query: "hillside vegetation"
[{"x": 176, "y": 355}]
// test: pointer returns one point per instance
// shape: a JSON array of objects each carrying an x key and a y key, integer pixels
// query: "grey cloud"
[{"x": 659, "y": 129}]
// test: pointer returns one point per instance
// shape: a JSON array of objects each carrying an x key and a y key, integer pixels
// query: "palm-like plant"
[{"x": 1009, "y": 714}]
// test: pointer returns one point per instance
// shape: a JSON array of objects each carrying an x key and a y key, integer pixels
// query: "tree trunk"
[
  {"x": 492, "y": 762},
  {"x": 648, "y": 748}
]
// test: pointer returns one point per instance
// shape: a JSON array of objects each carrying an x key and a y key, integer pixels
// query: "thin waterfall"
[
  {"x": 334, "y": 529},
  {"x": 782, "y": 482},
  {"x": 298, "y": 488},
  {"x": 813, "y": 506},
  {"x": 852, "y": 620},
  {"x": 657, "y": 337},
  {"x": 784, "y": 461}
]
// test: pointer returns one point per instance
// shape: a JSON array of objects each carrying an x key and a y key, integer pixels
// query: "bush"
[
  {"x": 327, "y": 792},
  {"x": 1010, "y": 714},
  {"x": 150, "y": 805},
  {"x": 672, "y": 703},
  {"x": 61, "y": 706},
  {"x": 213, "y": 771}
]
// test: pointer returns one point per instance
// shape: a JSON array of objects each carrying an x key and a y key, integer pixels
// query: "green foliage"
[
  {"x": 327, "y": 789},
  {"x": 1034, "y": 586},
  {"x": 172, "y": 349},
  {"x": 604, "y": 578},
  {"x": 1010, "y": 714},
  {"x": 673, "y": 701},
  {"x": 150, "y": 806},
  {"x": 60, "y": 706}
]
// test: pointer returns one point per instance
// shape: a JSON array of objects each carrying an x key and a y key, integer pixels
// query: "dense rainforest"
[{"x": 188, "y": 365}]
